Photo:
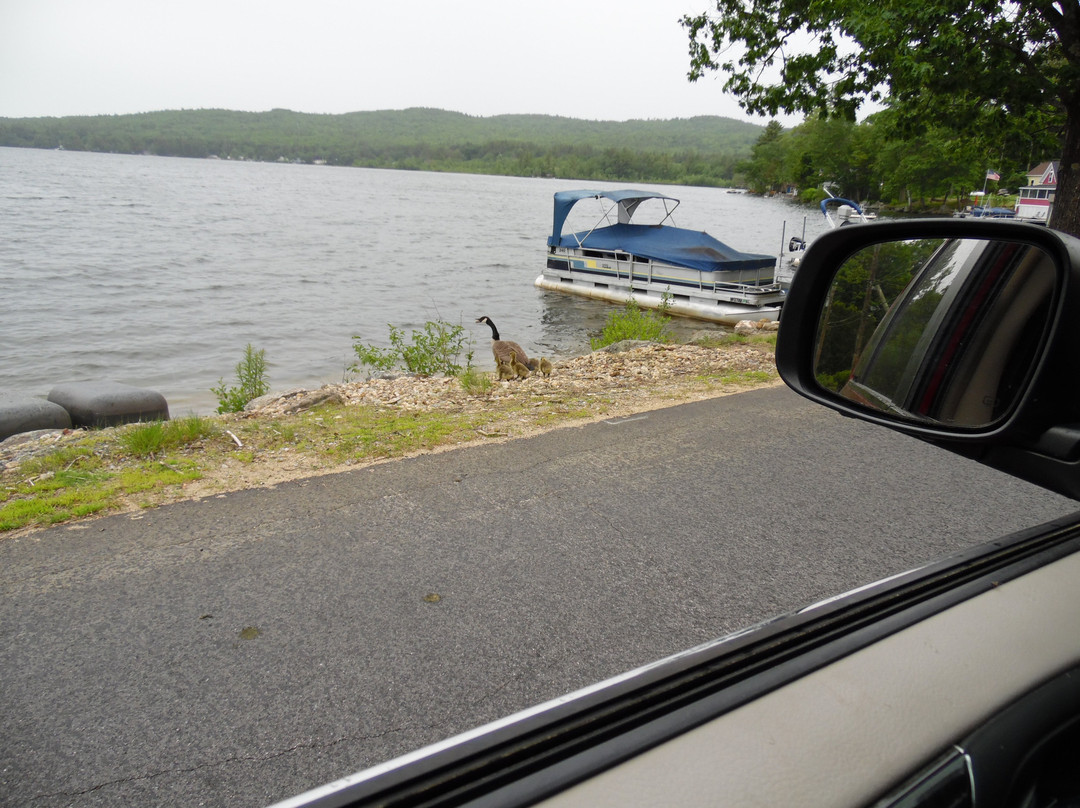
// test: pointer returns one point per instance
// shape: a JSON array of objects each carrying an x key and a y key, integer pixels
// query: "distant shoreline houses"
[{"x": 1035, "y": 201}]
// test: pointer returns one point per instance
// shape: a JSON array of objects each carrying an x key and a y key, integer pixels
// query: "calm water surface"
[{"x": 157, "y": 271}]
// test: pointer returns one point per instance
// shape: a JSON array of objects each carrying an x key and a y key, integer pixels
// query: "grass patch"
[
  {"x": 149, "y": 440},
  {"x": 57, "y": 498},
  {"x": 86, "y": 489},
  {"x": 54, "y": 507},
  {"x": 96, "y": 473},
  {"x": 153, "y": 476},
  {"x": 571, "y": 411},
  {"x": 764, "y": 338},
  {"x": 371, "y": 433},
  {"x": 742, "y": 378},
  {"x": 634, "y": 323},
  {"x": 141, "y": 464},
  {"x": 60, "y": 461},
  {"x": 475, "y": 382}
]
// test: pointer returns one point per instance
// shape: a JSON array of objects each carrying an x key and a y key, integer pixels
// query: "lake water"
[{"x": 157, "y": 271}]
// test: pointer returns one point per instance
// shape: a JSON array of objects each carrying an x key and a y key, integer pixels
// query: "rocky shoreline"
[
  {"x": 639, "y": 371},
  {"x": 621, "y": 379}
]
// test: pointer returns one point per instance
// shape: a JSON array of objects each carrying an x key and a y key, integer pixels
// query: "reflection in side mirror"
[{"x": 936, "y": 331}]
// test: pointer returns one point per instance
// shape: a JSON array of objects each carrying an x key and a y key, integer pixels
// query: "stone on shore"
[
  {"x": 28, "y": 414},
  {"x": 98, "y": 404},
  {"x": 292, "y": 401},
  {"x": 756, "y": 326}
]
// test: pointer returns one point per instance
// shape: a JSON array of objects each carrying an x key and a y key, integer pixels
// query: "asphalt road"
[{"x": 239, "y": 650}]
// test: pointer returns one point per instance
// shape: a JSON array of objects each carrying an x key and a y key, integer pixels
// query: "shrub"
[
  {"x": 434, "y": 350},
  {"x": 632, "y": 322},
  {"x": 251, "y": 373}
]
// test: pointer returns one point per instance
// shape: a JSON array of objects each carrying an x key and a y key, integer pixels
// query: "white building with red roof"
[{"x": 1036, "y": 199}]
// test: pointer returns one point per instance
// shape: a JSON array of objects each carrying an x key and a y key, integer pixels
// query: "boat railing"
[
  {"x": 669, "y": 213},
  {"x": 744, "y": 289},
  {"x": 605, "y": 216}
]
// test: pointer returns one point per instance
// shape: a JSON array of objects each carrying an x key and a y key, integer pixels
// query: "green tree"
[
  {"x": 956, "y": 63},
  {"x": 820, "y": 150},
  {"x": 764, "y": 170},
  {"x": 930, "y": 165}
]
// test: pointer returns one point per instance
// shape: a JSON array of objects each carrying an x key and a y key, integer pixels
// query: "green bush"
[
  {"x": 251, "y": 373},
  {"x": 834, "y": 381},
  {"x": 632, "y": 322},
  {"x": 434, "y": 350}
]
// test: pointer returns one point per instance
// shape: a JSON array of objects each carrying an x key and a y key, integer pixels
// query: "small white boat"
[
  {"x": 838, "y": 212},
  {"x": 656, "y": 264}
]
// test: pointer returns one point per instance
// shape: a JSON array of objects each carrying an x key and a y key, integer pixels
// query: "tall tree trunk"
[{"x": 1066, "y": 214}]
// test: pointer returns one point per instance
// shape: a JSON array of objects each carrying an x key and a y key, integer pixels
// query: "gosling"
[
  {"x": 545, "y": 366},
  {"x": 521, "y": 370},
  {"x": 505, "y": 372}
]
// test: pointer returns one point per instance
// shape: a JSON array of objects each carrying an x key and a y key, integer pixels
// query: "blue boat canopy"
[
  {"x": 657, "y": 242},
  {"x": 838, "y": 200},
  {"x": 627, "y": 200}
]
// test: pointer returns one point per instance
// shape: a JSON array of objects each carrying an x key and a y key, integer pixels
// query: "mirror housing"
[{"x": 973, "y": 344}]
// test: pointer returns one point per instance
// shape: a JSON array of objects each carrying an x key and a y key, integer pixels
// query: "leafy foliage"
[
  {"x": 435, "y": 350},
  {"x": 872, "y": 162},
  {"x": 1012, "y": 68},
  {"x": 251, "y": 373},
  {"x": 633, "y": 322}
]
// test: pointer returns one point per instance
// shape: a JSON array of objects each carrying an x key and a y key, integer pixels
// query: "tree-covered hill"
[{"x": 701, "y": 150}]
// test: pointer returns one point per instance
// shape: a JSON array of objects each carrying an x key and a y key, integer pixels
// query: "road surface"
[{"x": 241, "y": 649}]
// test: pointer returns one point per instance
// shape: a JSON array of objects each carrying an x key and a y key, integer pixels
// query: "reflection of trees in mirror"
[
  {"x": 862, "y": 292},
  {"x": 894, "y": 354},
  {"x": 952, "y": 345}
]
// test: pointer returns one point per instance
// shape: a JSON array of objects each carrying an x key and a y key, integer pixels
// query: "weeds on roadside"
[
  {"x": 96, "y": 473},
  {"x": 251, "y": 373},
  {"x": 147, "y": 440},
  {"x": 435, "y": 350},
  {"x": 632, "y": 322},
  {"x": 767, "y": 338},
  {"x": 739, "y": 377},
  {"x": 474, "y": 382}
]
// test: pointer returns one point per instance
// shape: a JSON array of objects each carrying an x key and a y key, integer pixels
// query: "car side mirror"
[
  {"x": 955, "y": 331},
  {"x": 936, "y": 331}
]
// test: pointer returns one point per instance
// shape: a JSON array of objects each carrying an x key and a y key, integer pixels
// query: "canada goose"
[
  {"x": 505, "y": 372},
  {"x": 501, "y": 348},
  {"x": 520, "y": 369},
  {"x": 545, "y": 365}
]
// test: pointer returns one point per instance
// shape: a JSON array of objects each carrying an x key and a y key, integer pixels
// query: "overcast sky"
[{"x": 594, "y": 59}]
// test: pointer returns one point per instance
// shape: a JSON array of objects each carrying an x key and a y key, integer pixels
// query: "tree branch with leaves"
[{"x": 954, "y": 63}]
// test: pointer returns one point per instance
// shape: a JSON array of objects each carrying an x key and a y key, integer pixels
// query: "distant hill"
[{"x": 702, "y": 150}]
